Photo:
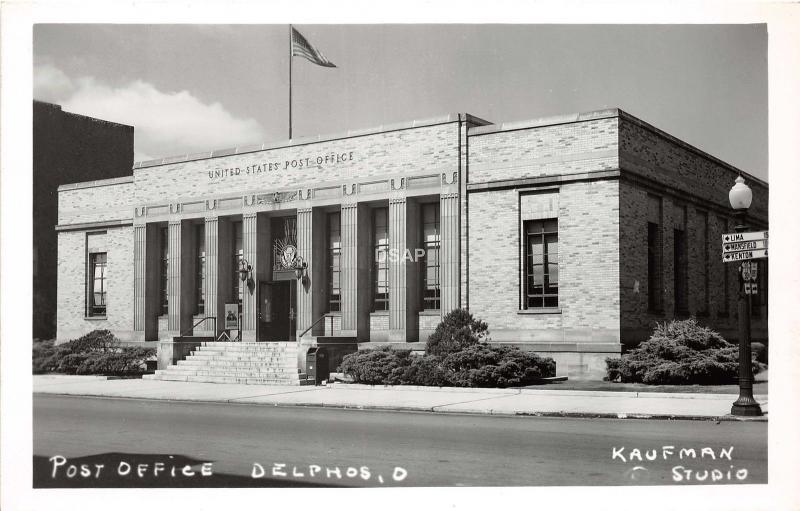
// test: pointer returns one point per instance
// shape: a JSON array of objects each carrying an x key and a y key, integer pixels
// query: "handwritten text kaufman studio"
[{"x": 710, "y": 469}]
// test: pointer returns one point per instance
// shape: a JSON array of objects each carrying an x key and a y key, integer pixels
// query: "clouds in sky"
[{"x": 166, "y": 123}]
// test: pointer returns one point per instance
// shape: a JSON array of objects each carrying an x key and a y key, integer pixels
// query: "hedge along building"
[{"x": 571, "y": 236}]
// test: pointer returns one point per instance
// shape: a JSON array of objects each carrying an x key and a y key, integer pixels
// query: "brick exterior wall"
[
  {"x": 67, "y": 148},
  {"x": 654, "y": 163},
  {"x": 393, "y": 153},
  {"x": 72, "y": 283},
  {"x": 588, "y": 261}
]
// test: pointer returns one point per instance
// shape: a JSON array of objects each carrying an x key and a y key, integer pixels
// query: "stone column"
[
  {"x": 304, "y": 246},
  {"x": 349, "y": 269},
  {"x": 249, "y": 298},
  {"x": 449, "y": 273},
  {"x": 403, "y": 284},
  {"x": 213, "y": 305}
]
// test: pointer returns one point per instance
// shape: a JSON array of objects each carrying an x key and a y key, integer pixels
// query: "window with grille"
[
  {"x": 431, "y": 292},
  {"x": 238, "y": 256},
  {"x": 380, "y": 223},
  {"x": 334, "y": 262},
  {"x": 98, "y": 284},
  {"x": 163, "y": 275},
  {"x": 200, "y": 270},
  {"x": 541, "y": 264}
]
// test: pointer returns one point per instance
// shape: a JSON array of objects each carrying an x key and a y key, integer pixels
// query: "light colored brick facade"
[{"x": 597, "y": 175}]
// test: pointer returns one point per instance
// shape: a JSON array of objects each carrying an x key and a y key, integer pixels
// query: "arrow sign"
[
  {"x": 740, "y": 246},
  {"x": 745, "y": 236},
  {"x": 741, "y": 256}
]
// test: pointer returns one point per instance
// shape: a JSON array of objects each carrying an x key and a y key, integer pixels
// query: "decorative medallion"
[{"x": 285, "y": 248}]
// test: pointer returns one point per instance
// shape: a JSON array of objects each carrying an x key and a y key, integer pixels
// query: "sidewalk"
[{"x": 560, "y": 403}]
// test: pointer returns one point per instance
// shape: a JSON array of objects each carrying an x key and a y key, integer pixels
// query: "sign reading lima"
[{"x": 259, "y": 167}]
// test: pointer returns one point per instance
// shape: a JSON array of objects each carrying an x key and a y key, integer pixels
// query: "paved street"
[{"x": 333, "y": 447}]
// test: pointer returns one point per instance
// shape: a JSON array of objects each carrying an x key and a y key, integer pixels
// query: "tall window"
[
  {"x": 541, "y": 264},
  {"x": 334, "y": 262},
  {"x": 97, "y": 284},
  {"x": 164, "y": 271},
  {"x": 680, "y": 260},
  {"x": 238, "y": 256},
  {"x": 431, "y": 293},
  {"x": 381, "y": 259},
  {"x": 654, "y": 273},
  {"x": 200, "y": 269}
]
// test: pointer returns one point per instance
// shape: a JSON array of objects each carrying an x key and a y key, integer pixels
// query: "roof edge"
[{"x": 295, "y": 142}]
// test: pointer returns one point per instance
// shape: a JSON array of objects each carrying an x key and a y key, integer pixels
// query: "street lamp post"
[{"x": 740, "y": 197}]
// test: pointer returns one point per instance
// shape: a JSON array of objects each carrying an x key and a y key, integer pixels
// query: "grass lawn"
[{"x": 759, "y": 387}]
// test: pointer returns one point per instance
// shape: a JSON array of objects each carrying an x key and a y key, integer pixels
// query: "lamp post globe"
[{"x": 740, "y": 195}]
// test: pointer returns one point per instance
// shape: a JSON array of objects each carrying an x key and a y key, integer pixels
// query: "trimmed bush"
[
  {"x": 376, "y": 366},
  {"x": 482, "y": 365},
  {"x": 98, "y": 352},
  {"x": 43, "y": 352},
  {"x": 456, "y": 355},
  {"x": 679, "y": 352},
  {"x": 457, "y": 330}
]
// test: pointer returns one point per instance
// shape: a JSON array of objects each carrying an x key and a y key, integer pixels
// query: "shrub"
[
  {"x": 127, "y": 361},
  {"x": 376, "y": 366},
  {"x": 98, "y": 352},
  {"x": 482, "y": 365},
  {"x": 424, "y": 370},
  {"x": 679, "y": 352},
  {"x": 96, "y": 340},
  {"x": 457, "y": 330},
  {"x": 759, "y": 350},
  {"x": 43, "y": 352}
]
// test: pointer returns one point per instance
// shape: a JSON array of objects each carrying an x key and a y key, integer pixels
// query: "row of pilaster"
[{"x": 356, "y": 263}]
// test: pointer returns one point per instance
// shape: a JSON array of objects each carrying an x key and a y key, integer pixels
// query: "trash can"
[{"x": 317, "y": 365}]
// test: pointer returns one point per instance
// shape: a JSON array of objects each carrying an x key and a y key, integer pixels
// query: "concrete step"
[
  {"x": 204, "y": 362},
  {"x": 232, "y": 372},
  {"x": 226, "y": 379},
  {"x": 248, "y": 345}
]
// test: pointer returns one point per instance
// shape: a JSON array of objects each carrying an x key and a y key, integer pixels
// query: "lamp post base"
[{"x": 747, "y": 407}]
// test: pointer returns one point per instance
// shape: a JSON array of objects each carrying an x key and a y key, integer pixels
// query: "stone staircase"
[{"x": 257, "y": 363}]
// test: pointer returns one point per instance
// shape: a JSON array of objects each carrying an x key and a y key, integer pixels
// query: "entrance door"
[{"x": 277, "y": 311}]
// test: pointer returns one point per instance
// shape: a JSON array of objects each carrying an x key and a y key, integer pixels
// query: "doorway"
[{"x": 277, "y": 311}]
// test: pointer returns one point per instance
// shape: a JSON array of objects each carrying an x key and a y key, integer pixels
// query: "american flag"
[{"x": 302, "y": 48}]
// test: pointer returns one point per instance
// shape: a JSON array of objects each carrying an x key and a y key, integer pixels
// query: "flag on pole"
[{"x": 302, "y": 48}]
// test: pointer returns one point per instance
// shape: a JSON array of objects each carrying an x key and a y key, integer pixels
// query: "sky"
[{"x": 192, "y": 88}]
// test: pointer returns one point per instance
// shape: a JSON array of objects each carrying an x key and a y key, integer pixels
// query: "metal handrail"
[
  {"x": 312, "y": 326},
  {"x": 191, "y": 329}
]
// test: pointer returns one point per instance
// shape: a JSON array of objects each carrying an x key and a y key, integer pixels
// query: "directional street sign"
[
  {"x": 740, "y": 246},
  {"x": 745, "y": 236},
  {"x": 741, "y": 256}
]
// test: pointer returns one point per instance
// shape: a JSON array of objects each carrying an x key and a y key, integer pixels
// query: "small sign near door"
[{"x": 231, "y": 316}]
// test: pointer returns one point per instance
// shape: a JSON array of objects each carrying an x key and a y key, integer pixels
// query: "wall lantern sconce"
[
  {"x": 245, "y": 270},
  {"x": 300, "y": 268}
]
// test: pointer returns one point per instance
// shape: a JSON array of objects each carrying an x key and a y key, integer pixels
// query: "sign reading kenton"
[{"x": 259, "y": 167}]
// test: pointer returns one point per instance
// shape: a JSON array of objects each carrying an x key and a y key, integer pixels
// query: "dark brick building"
[{"x": 67, "y": 147}]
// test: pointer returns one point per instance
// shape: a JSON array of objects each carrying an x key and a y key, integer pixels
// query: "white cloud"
[
  {"x": 51, "y": 84},
  {"x": 166, "y": 123}
]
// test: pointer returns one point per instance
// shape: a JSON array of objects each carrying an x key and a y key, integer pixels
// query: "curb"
[{"x": 572, "y": 415}]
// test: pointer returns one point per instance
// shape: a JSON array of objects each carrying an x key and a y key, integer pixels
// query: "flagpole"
[{"x": 291, "y": 42}]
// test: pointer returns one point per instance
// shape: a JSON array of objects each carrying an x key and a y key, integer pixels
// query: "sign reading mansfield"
[{"x": 739, "y": 246}]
